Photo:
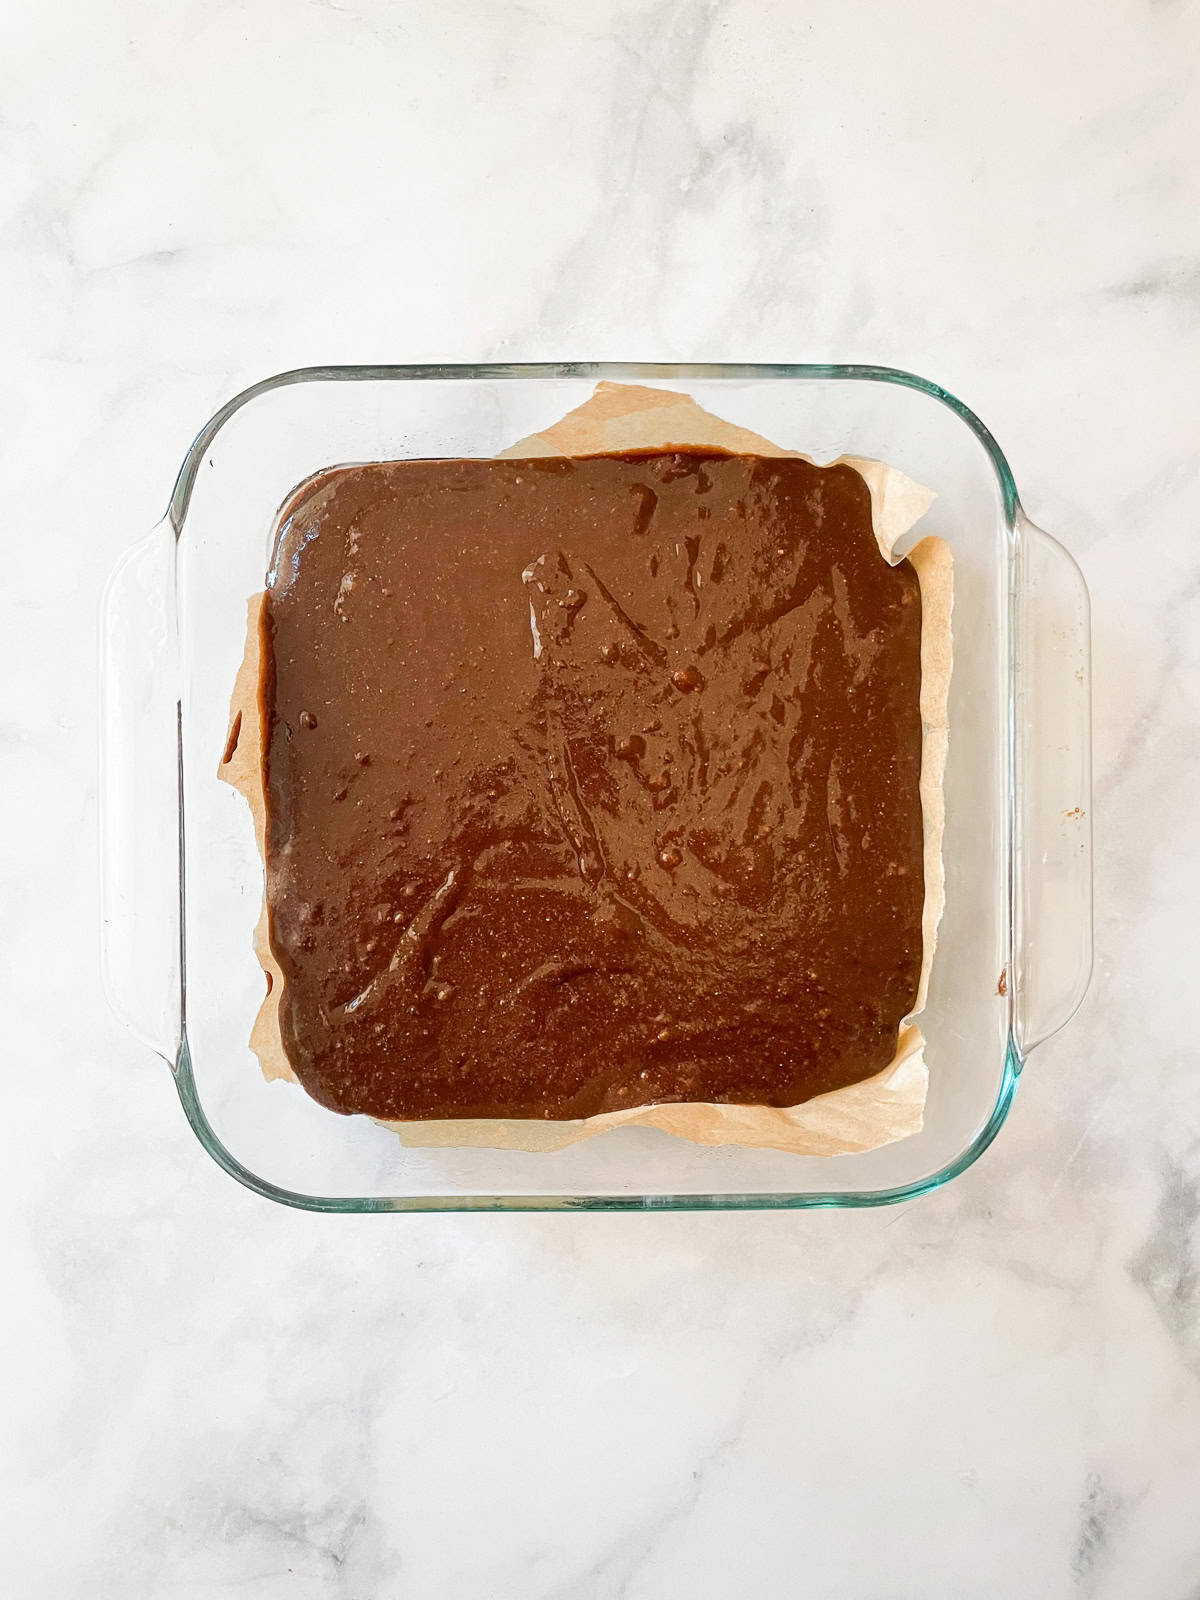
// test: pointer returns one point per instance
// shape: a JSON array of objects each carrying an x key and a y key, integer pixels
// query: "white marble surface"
[{"x": 994, "y": 1392}]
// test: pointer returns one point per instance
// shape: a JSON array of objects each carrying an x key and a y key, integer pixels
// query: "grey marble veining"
[{"x": 993, "y": 1392}]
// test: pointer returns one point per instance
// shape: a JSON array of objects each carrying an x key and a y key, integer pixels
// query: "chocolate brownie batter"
[{"x": 589, "y": 783}]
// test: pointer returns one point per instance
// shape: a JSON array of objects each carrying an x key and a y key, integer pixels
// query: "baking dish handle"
[
  {"x": 139, "y": 793},
  {"x": 1052, "y": 910}
]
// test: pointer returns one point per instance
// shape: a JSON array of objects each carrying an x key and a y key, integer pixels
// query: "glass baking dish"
[{"x": 182, "y": 881}]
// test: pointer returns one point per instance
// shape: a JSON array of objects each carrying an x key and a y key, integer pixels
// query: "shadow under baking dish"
[{"x": 182, "y": 882}]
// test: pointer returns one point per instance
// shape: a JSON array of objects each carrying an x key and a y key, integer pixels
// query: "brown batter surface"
[{"x": 589, "y": 783}]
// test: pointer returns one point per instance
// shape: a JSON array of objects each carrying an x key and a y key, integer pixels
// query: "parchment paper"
[{"x": 862, "y": 1116}]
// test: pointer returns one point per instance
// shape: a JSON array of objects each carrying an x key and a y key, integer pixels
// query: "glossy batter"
[{"x": 589, "y": 783}]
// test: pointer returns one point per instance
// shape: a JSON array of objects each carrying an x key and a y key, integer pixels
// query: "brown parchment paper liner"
[{"x": 860, "y": 1117}]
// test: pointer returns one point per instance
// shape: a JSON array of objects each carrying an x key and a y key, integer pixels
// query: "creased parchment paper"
[{"x": 862, "y": 1116}]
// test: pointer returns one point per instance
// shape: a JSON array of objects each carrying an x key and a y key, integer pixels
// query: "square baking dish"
[{"x": 182, "y": 881}]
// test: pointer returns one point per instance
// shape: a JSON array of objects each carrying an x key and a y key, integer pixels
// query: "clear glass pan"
[{"x": 182, "y": 883}]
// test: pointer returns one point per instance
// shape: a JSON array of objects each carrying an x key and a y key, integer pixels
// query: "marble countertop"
[{"x": 992, "y": 1392}]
